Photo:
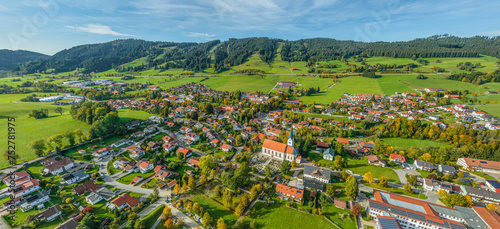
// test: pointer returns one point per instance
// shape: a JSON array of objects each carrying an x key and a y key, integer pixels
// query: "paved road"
[{"x": 402, "y": 172}]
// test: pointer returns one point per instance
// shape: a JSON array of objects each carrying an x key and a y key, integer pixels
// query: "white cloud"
[
  {"x": 201, "y": 35},
  {"x": 99, "y": 29}
]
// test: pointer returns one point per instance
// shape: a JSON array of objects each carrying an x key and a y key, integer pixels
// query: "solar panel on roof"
[{"x": 388, "y": 223}]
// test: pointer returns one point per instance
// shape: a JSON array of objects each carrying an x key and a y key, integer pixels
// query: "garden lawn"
[
  {"x": 128, "y": 178},
  {"x": 407, "y": 143},
  {"x": 361, "y": 167},
  {"x": 151, "y": 218},
  {"x": 215, "y": 209},
  {"x": 334, "y": 214},
  {"x": 279, "y": 216}
]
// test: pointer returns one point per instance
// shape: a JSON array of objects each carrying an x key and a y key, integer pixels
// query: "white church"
[{"x": 280, "y": 150}]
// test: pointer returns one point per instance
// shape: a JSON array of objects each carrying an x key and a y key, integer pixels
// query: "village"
[{"x": 240, "y": 155}]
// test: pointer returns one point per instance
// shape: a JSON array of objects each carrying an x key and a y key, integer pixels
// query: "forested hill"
[
  {"x": 10, "y": 59},
  {"x": 221, "y": 55}
]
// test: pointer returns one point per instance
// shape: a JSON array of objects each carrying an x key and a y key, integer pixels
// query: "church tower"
[{"x": 290, "y": 141}]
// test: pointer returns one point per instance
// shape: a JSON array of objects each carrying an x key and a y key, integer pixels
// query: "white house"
[
  {"x": 328, "y": 154},
  {"x": 145, "y": 166},
  {"x": 60, "y": 166}
]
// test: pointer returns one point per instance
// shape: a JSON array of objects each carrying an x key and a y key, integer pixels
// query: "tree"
[
  {"x": 492, "y": 206},
  {"x": 293, "y": 164},
  {"x": 227, "y": 199},
  {"x": 344, "y": 175},
  {"x": 442, "y": 193},
  {"x": 59, "y": 110},
  {"x": 207, "y": 163},
  {"x": 185, "y": 187},
  {"x": 212, "y": 174},
  {"x": 255, "y": 191},
  {"x": 221, "y": 224},
  {"x": 191, "y": 183},
  {"x": 169, "y": 224},
  {"x": 339, "y": 162},
  {"x": 382, "y": 181},
  {"x": 356, "y": 210},
  {"x": 267, "y": 170},
  {"x": 238, "y": 140},
  {"x": 216, "y": 191},
  {"x": 351, "y": 188},
  {"x": 203, "y": 179},
  {"x": 285, "y": 167},
  {"x": 412, "y": 180},
  {"x": 139, "y": 224},
  {"x": 167, "y": 212},
  {"x": 460, "y": 174},
  {"x": 38, "y": 146},
  {"x": 207, "y": 219},
  {"x": 177, "y": 189},
  {"x": 180, "y": 155},
  {"x": 239, "y": 210},
  {"x": 330, "y": 190},
  {"x": 470, "y": 203},
  {"x": 68, "y": 200},
  {"x": 408, "y": 189},
  {"x": 368, "y": 177}
]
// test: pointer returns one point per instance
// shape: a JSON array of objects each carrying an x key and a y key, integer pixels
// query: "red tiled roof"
[
  {"x": 343, "y": 140},
  {"x": 278, "y": 146},
  {"x": 291, "y": 191},
  {"x": 125, "y": 198},
  {"x": 489, "y": 216},
  {"x": 397, "y": 157},
  {"x": 194, "y": 161}
]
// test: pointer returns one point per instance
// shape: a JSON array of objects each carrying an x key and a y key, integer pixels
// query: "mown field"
[
  {"x": 30, "y": 129},
  {"x": 407, "y": 143}
]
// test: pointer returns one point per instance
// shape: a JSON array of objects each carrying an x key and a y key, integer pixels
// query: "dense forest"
[
  {"x": 221, "y": 56},
  {"x": 11, "y": 59}
]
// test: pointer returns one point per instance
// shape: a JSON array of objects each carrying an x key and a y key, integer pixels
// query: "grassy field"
[
  {"x": 407, "y": 143},
  {"x": 361, "y": 167},
  {"x": 215, "y": 210},
  {"x": 277, "y": 216},
  {"x": 151, "y": 218}
]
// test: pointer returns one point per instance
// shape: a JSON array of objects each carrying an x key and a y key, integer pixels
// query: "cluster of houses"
[
  {"x": 395, "y": 211},
  {"x": 409, "y": 105}
]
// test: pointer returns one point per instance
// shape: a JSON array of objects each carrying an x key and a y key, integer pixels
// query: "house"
[
  {"x": 433, "y": 117},
  {"x": 93, "y": 198},
  {"x": 172, "y": 184},
  {"x": 479, "y": 165},
  {"x": 26, "y": 188},
  {"x": 193, "y": 136},
  {"x": 88, "y": 186},
  {"x": 340, "y": 203},
  {"x": 137, "y": 179},
  {"x": 481, "y": 194},
  {"x": 493, "y": 185},
  {"x": 397, "y": 158},
  {"x": 75, "y": 177},
  {"x": 120, "y": 163},
  {"x": 103, "y": 152},
  {"x": 434, "y": 185},
  {"x": 123, "y": 201},
  {"x": 135, "y": 152},
  {"x": 153, "y": 145},
  {"x": 68, "y": 224},
  {"x": 290, "y": 192},
  {"x": 185, "y": 130},
  {"x": 168, "y": 139},
  {"x": 167, "y": 147},
  {"x": 328, "y": 154},
  {"x": 215, "y": 142},
  {"x": 422, "y": 165},
  {"x": 156, "y": 119},
  {"x": 226, "y": 148},
  {"x": 59, "y": 166},
  {"x": 492, "y": 126},
  {"x": 193, "y": 162},
  {"x": 184, "y": 151},
  {"x": 316, "y": 178},
  {"x": 376, "y": 160},
  {"x": 50, "y": 214},
  {"x": 121, "y": 143},
  {"x": 162, "y": 173},
  {"x": 446, "y": 169},
  {"x": 17, "y": 178},
  {"x": 145, "y": 166},
  {"x": 280, "y": 150},
  {"x": 28, "y": 203}
]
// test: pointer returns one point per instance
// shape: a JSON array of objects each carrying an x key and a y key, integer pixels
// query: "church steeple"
[{"x": 290, "y": 141}]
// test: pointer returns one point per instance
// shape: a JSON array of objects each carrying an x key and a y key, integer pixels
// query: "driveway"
[{"x": 402, "y": 172}]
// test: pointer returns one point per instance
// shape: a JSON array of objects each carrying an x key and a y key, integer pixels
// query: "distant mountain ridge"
[
  {"x": 221, "y": 56},
  {"x": 10, "y": 59}
]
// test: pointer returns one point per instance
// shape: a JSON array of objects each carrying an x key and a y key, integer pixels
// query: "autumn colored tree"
[
  {"x": 177, "y": 189},
  {"x": 221, "y": 224},
  {"x": 368, "y": 177},
  {"x": 382, "y": 181},
  {"x": 207, "y": 220},
  {"x": 356, "y": 209},
  {"x": 191, "y": 183},
  {"x": 169, "y": 224},
  {"x": 408, "y": 189}
]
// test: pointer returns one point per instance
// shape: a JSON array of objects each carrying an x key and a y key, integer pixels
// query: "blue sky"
[{"x": 49, "y": 26}]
